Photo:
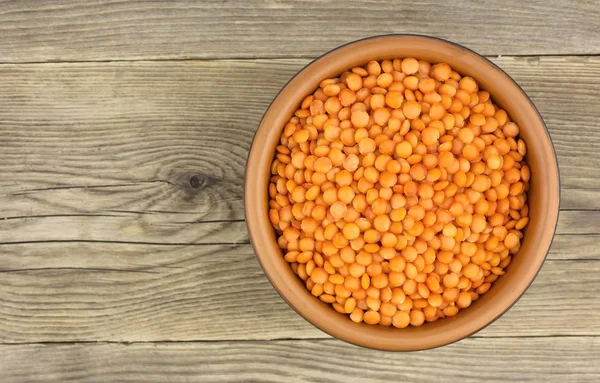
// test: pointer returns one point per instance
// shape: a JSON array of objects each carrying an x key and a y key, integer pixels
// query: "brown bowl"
[{"x": 543, "y": 194}]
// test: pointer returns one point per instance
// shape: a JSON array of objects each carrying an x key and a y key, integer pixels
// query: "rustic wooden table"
[{"x": 124, "y": 130}]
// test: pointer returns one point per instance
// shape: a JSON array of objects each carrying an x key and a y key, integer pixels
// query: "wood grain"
[
  {"x": 108, "y": 145},
  {"x": 124, "y": 131},
  {"x": 82, "y": 30},
  {"x": 65, "y": 292},
  {"x": 554, "y": 359},
  {"x": 575, "y": 247},
  {"x": 128, "y": 228},
  {"x": 164, "y": 229},
  {"x": 122, "y": 188}
]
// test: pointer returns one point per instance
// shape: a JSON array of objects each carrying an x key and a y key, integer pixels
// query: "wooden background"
[{"x": 124, "y": 130}]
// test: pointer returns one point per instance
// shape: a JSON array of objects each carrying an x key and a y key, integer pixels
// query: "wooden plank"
[
  {"x": 185, "y": 29},
  {"x": 578, "y": 222},
  {"x": 140, "y": 153},
  {"x": 169, "y": 140},
  {"x": 553, "y": 359},
  {"x": 137, "y": 257},
  {"x": 575, "y": 247},
  {"x": 572, "y": 198},
  {"x": 158, "y": 228},
  {"x": 124, "y": 228},
  {"x": 141, "y": 293},
  {"x": 64, "y": 292}
]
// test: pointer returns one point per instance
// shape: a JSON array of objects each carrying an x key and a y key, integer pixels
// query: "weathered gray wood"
[
  {"x": 138, "y": 257},
  {"x": 169, "y": 229},
  {"x": 131, "y": 228},
  {"x": 575, "y": 247},
  {"x": 578, "y": 222},
  {"x": 121, "y": 214},
  {"x": 553, "y": 359},
  {"x": 163, "y": 143},
  {"x": 81, "y": 30},
  {"x": 63, "y": 292},
  {"x": 106, "y": 155}
]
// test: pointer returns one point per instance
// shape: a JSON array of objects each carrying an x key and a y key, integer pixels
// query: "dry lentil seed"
[{"x": 398, "y": 192}]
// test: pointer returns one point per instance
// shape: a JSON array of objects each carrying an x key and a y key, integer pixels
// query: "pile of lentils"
[{"x": 399, "y": 192}]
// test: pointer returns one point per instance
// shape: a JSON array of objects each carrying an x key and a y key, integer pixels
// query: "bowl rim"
[{"x": 250, "y": 208}]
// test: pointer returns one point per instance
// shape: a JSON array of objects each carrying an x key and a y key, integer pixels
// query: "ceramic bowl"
[{"x": 543, "y": 198}]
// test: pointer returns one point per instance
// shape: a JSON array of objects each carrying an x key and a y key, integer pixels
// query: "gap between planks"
[
  {"x": 265, "y": 58},
  {"x": 258, "y": 341}
]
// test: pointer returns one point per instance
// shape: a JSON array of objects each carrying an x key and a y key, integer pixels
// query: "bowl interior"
[{"x": 543, "y": 198}]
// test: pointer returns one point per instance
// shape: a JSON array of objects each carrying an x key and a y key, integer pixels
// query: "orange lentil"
[{"x": 398, "y": 192}]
